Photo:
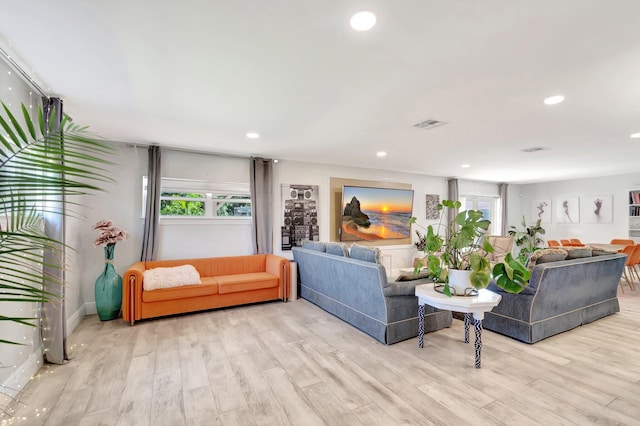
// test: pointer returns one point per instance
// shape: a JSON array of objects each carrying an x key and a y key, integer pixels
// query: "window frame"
[
  {"x": 210, "y": 190},
  {"x": 494, "y": 213}
]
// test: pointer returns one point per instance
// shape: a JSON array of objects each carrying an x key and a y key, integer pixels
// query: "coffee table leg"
[
  {"x": 421, "y": 326},
  {"x": 477, "y": 325},
  {"x": 467, "y": 322}
]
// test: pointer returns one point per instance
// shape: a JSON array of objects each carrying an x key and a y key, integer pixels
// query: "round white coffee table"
[{"x": 485, "y": 301}]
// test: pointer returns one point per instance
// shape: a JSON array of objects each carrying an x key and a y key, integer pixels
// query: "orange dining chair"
[
  {"x": 635, "y": 263},
  {"x": 565, "y": 242},
  {"x": 623, "y": 242},
  {"x": 627, "y": 273},
  {"x": 576, "y": 242},
  {"x": 553, "y": 243}
]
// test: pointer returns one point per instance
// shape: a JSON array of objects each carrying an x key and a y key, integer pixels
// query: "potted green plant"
[
  {"x": 527, "y": 239},
  {"x": 455, "y": 251}
]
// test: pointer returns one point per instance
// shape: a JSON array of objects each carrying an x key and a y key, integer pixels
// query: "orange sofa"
[{"x": 225, "y": 281}]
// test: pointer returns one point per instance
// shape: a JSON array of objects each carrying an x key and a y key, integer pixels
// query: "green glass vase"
[{"x": 108, "y": 288}]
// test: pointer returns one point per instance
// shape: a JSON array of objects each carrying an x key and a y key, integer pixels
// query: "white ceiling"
[{"x": 199, "y": 74}]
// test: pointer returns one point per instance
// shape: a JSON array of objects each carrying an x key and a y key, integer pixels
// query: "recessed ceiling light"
[
  {"x": 363, "y": 21},
  {"x": 553, "y": 100},
  {"x": 635, "y": 135},
  {"x": 381, "y": 154},
  {"x": 253, "y": 135},
  {"x": 466, "y": 166}
]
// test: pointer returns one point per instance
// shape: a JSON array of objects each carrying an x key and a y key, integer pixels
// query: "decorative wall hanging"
[
  {"x": 542, "y": 210},
  {"x": 567, "y": 210},
  {"x": 596, "y": 209},
  {"x": 432, "y": 213},
  {"x": 299, "y": 215}
]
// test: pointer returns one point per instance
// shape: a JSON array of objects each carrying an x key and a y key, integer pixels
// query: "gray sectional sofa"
[
  {"x": 561, "y": 295},
  {"x": 357, "y": 292}
]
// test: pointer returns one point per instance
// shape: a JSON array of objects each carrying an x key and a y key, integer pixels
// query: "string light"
[{"x": 18, "y": 360}]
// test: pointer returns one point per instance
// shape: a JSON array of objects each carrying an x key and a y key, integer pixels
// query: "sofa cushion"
[
  {"x": 368, "y": 254},
  {"x": 207, "y": 287},
  {"x": 175, "y": 276},
  {"x": 597, "y": 251},
  {"x": 410, "y": 276},
  {"x": 578, "y": 252},
  {"x": 314, "y": 245},
  {"x": 245, "y": 282},
  {"x": 544, "y": 256},
  {"x": 338, "y": 249}
]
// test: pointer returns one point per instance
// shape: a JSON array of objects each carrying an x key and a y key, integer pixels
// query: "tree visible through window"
[
  {"x": 180, "y": 204},
  {"x": 233, "y": 205},
  {"x": 186, "y": 198}
]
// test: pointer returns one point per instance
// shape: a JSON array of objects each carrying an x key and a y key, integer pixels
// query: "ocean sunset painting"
[{"x": 375, "y": 213}]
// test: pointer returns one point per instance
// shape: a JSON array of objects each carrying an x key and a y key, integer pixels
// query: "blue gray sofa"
[
  {"x": 357, "y": 292},
  {"x": 561, "y": 295}
]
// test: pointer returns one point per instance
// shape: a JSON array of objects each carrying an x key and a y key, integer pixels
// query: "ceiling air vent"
[
  {"x": 535, "y": 149},
  {"x": 429, "y": 123}
]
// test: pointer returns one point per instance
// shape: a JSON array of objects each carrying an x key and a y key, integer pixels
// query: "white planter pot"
[{"x": 459, "y": 281}]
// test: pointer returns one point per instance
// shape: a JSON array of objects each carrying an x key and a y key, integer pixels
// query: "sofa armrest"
[
  {"x": 402, "y": 288},
  {"x": 279, "y": 266},
  {"x": 132, "y": 292}
]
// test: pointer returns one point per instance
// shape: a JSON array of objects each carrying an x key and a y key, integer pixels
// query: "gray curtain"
[
  {"x": 452, "y": 194},
  {"x": 261, "y": 182},
  {"x": 54, "y": 315},
  {"x": 504, "y": 228},
  {"x": 152, "y": 208}
]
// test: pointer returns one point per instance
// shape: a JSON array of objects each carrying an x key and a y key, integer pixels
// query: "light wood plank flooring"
[{"x": 294, "y": 364}]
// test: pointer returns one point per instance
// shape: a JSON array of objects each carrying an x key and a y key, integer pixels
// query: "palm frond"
[{"x": 37, "y": 165}]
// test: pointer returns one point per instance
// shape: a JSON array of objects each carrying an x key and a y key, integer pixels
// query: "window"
[
  {"x": 486, "y": 205},
  {"x": 232, "y": 205},
  {"x": 182, "y": 204},
  {"x": 199, "y": 199}
]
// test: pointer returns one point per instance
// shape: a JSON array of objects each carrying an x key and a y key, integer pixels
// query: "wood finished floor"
[{"x": 294, "y": 364}]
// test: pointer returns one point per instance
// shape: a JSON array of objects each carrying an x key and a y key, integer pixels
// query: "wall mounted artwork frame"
[
  {"x": 596, "y": 209},
  {"x": 375, "y": 213},
  {"x": 432, "y": 212},
  {"x": 542, "y": 210},
  {"x": 299, "y": 215},
  {"x": 567, "y": 209}
]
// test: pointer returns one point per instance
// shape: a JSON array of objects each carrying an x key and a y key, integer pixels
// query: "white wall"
[
  {"x": 119, "y": 202},
  {"x": 616, "y": 186},
  {"x": 292, "y": 173}
]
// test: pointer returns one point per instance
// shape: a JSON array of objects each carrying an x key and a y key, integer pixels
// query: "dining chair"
[
  {"x": 501, "y": 245},
  {"x": 627, "y": 273},
  {"x": 565, "y": 242},
  {"x": 622, "y": 241},
  {"x": 635, "y": 263},
  {"x": 553, "y": 243},
  {"x": 576, "y": 242}
]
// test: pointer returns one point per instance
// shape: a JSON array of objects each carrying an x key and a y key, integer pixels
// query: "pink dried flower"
[{"x": 109, "y": 233}]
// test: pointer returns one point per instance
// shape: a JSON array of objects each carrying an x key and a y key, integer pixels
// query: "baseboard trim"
[
  {"x": 22, "y": 374},
  {"x": 90, "y": 308},
  {"x": 74, "y": 320}
]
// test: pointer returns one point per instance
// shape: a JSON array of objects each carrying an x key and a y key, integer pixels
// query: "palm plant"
[{"x": 39, "y": 164}]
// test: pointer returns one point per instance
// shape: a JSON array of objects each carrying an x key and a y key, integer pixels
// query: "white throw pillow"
[{"x": 175, "y": 276}]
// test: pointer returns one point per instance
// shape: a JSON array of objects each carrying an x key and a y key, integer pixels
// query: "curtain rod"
[
  {"x": 190, "y": 151},
  {"x": 22, "y": 72}
]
